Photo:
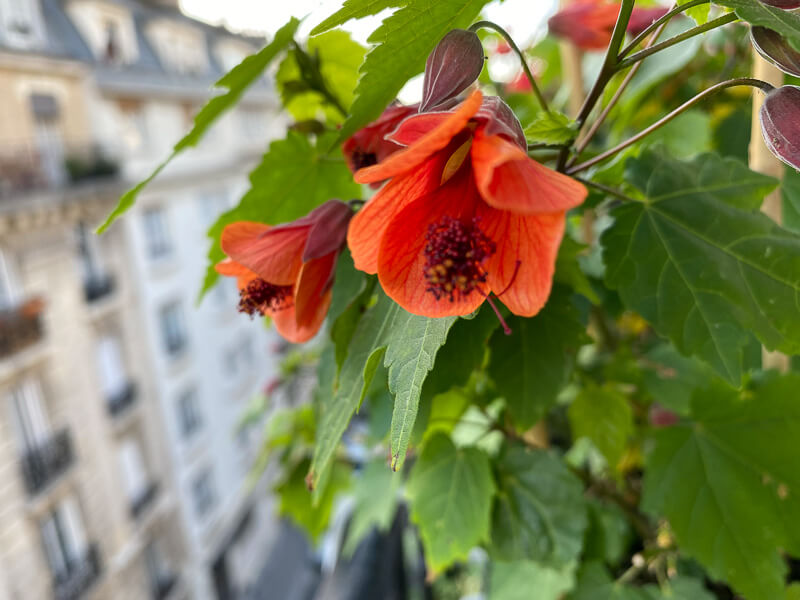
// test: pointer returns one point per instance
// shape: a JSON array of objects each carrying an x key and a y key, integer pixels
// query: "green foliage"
[
  {"x": 403, "y": 43},
  {"x": 790, "y": 195},
  {"x": 756, "y": 12},
  {"x": 539, "y": 513},
  {"x": 551, "y": 128},
  {"x": 603, "y": 415},
  {"x": 236, "y": 81},
  {"x": 531, "y": 366},
  {"x": 595, "y": 583},
  {"x": 450, "y": 490},
  {"x": 354, "y": 9},
  {"x": 735, "y": 463},
  {"x": 697, "y": 261},
  {"x": 515, "y": 580},
  {"x": 376, "y": 491},
  {"x": 569, "y": 271},
  {"x": 293, "y": 177},
  {"x": 698, "y": 13}
]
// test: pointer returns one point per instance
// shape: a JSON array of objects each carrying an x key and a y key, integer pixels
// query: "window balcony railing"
[
  {"x": 20, "y": 326},
  {"x": 78, "y": 577},
  {"x": 163, "y": 587},
  {"x": 43, "y": 464},
  {"x": 120, "y": 402},
  {"x": 98, "y": 287},
  {"x": 145, "y": 498}
]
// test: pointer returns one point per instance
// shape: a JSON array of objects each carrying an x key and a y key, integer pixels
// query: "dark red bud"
[
  {"x": 501, "y": 120},
  {"x": 774, "y": 49},
  {"x": 329, "y": 229},
  {"x": 452, "y": 67},
  {"x": 780, "y": 124},
  {"x": 784, "y": 4},
  {"x": 661, "y": 417}
]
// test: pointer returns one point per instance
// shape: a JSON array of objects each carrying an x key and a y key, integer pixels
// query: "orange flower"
[
  {"x": 287, "y": 271},
  {"x": 369, "y": 145},
  {"x": 466, "y": 213}
]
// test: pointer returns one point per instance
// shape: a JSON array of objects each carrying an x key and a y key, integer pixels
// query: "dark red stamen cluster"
[
  {"x": 454, "y": 256},
  {"x": 259, "y": 296},
  {"x": 362, "y": 159}
]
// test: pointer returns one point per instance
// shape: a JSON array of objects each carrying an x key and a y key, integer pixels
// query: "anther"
[{"x": 260, "y": 296}]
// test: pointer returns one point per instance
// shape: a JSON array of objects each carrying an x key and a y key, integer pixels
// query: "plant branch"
[
  {"x": 694, "y": 31},
  {"x": 505, "y": 35},
  {"x": 605, "y": 189},
  {"x": 757, "y": 83},
  {"x": 658, "y": 23}
]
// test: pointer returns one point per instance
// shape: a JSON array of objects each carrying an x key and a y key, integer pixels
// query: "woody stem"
[
  {"x": 757, "y": 83},
  {"x": 658, "y": 23},
  {"x": 505, "y": 35}
]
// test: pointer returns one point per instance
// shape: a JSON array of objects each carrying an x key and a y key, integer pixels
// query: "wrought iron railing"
[{"x": 44, "y": 463}]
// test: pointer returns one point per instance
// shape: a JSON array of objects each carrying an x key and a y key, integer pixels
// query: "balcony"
[
  {"x": 78, "y": 577},
  {"x": 42, "y": 465},
  {"x": 145, "y": 498},
  {"x": 163, "y": 587},
  {"x": 120, "y": 402},
  {"x": 20, "y": 327},
  {"x": 27, "y": 166},
  {"x": 98, "y": 287}
]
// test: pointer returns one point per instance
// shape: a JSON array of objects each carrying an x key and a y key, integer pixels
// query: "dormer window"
[
  {"x": 113, "y": 52},
  {"x": 181, "y": 49},
  {"x": 21, "y": 22}
]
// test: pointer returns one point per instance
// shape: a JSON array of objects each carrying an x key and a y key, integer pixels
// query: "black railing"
[
  {"x": 122, "y": 400},
  {"x": 78, "y": 577},
  {"x": 163, "y": 587},
  {"x": 97, "y": 287},
  {"x": 143, "y": 500},
  {"x": 20, "y": 327},
  {"x": 43, "y": 464}
]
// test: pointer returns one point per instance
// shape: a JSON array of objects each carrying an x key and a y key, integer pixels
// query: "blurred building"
[{"x": 124, "y": 469}]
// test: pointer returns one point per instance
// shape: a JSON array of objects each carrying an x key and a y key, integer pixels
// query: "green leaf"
[
  {"x": 551, "y": 128},
  {"x": 402, "y": 44},
  {"x": 603, "y": 415},
  {"x": 698, "y": 261},
  {"x": 790, "y": 192},
  {"x": 236, "y": 81},
  {"x": 569, "y": 271},
  {"x": 735, "y": 464},
  {"x": 409, "y": 343},
  {"x": 515, "y": 580},
  {"x": 347, "y": 287},
  {"x": 376, "y": 493},
  {"x": 609, "y": 534},
  {"x": 595, "y": 583},
  {"x": 450, "y": 491},
  {"x": 685, "y": 136},
  {"x": 354, "y": 9},
  {"x": 293, "y": 178},
  {"x": 785, "y": 22},
  {"x": 530, "y": 366},
  {"x": 672, "y": 378},
  {"x": 698, "y": 13},
  {"x": 539, "y": 513}
]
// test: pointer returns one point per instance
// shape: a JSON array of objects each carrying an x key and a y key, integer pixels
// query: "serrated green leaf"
[
  {"x": 354, "y": 9},
  {"x": 551, "y": 128},
  {"x": 450, "y": 490},
  {"x": 672, "y": 378},
  {"x": 236, "y": 81},
  {"x": 735, "y": 464},
  {"x": 516, "y": 580},
  {"x": 785, "y": 22},
  {"x": 403, "y": 43},
  {"x": 603, "y": 415},
  {"x": 698, "y": 13},
  {"x": 530, "y": 366},
  {"x": 699, "y": 262},
  {"x": 376, "y": 493},
  {"x": 539, "y": 513},
  {"x": 293, "y": 178}
]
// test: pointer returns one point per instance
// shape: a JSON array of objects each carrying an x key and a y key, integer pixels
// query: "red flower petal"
[
  {"x": 329, "y": 229},
  {"x": 521, "y": 271},
  {"x": 273, "y": 253},
  {"x": 231, "y": 268},
  {"x": 315, "y": 280},
  {"x": 416, "y": 127},
  {"x": 508, "y": 179},
  {"x": 412, "y": 157}
]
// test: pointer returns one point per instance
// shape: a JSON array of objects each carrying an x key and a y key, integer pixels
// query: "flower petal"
[
  {"x": 412, "y": 157},
  {"x": 315, "y": 279},
  {"x": 285, "y": 320},
  {"x": 273, "y": 253},
  {"x": 521, "y": 271},
  {"x": 401, "y": 261},
  {"x": 368, "y": 225},
  {"x": 230, "y": 268},
  {"x": 329, "y": 230},
  {"x": 510, "y": 180},
  {"x": 415, "y": 127}
]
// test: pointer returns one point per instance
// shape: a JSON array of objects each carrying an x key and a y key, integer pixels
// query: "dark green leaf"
[
  {"x": 354, "y": 9},
  {"x": 539, "y": 513},
  {"x": 603, "y": 415},
  {"x": 609, "y": 534},
  {"x": 790, "y": 190},
  {"x": 700, "y": 263},
  {"x": 735, "y": 464},
  {"x": 672, "y": 378},
  {"x": 569, "y": 271},
  {"x": 785, "y": 22},
  {"x": 516, "y": 580},
  {"x": 450, "y": 491},
  {"x": 236, "y": 81}
]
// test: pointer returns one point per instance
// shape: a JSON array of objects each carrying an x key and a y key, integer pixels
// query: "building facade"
[{"x": 126, "y": 471}]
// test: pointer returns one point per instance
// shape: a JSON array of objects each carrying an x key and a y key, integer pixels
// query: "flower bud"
[
  {"x": 501, "y": 120},
  {"x": 784, "y": 4},
  {"x": 774, "y": 49},
  {"x": 329, "y": 229},
  {"x": 780, "y": 124},
  {"x": 451, "y": 68}
]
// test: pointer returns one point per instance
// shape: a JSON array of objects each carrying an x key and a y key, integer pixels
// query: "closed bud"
[
  {"x": 774, "y": 49},
  {"x": 785, "y": 4},
  {"x": 451, "y": 68},
  {"x": 780, "y": 124}
]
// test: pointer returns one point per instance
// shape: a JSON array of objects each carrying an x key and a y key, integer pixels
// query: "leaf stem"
[
  {"x": 757, "y": 83},
  {"x": 605, "y": 189},
  {"x": 658, "y": 23},
  {"x": 690, "y": 33},
  {"x": 505, "y": 35}
]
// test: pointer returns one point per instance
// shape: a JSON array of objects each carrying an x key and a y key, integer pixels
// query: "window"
[
  {"x": 64, "y": 538},
  {"x": 158, "y": 572},
  {"x": 203, "y": 494},
  {"x": 8, "y": 288},
  {"x": 31, "y": 417},
  {"x": 21, "y": 22},
  {"x": 134, "y": 474},
  {"x": 173, "y": 329},
  {"x": 133, "y": 126},
  {"x": 113, "y": 379},
  {"x": 189, "y": 416},
  {"x": 156, "y": 234},
  {"x": 87, "y": 250},
  {"x": 112, "y": 52}
]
